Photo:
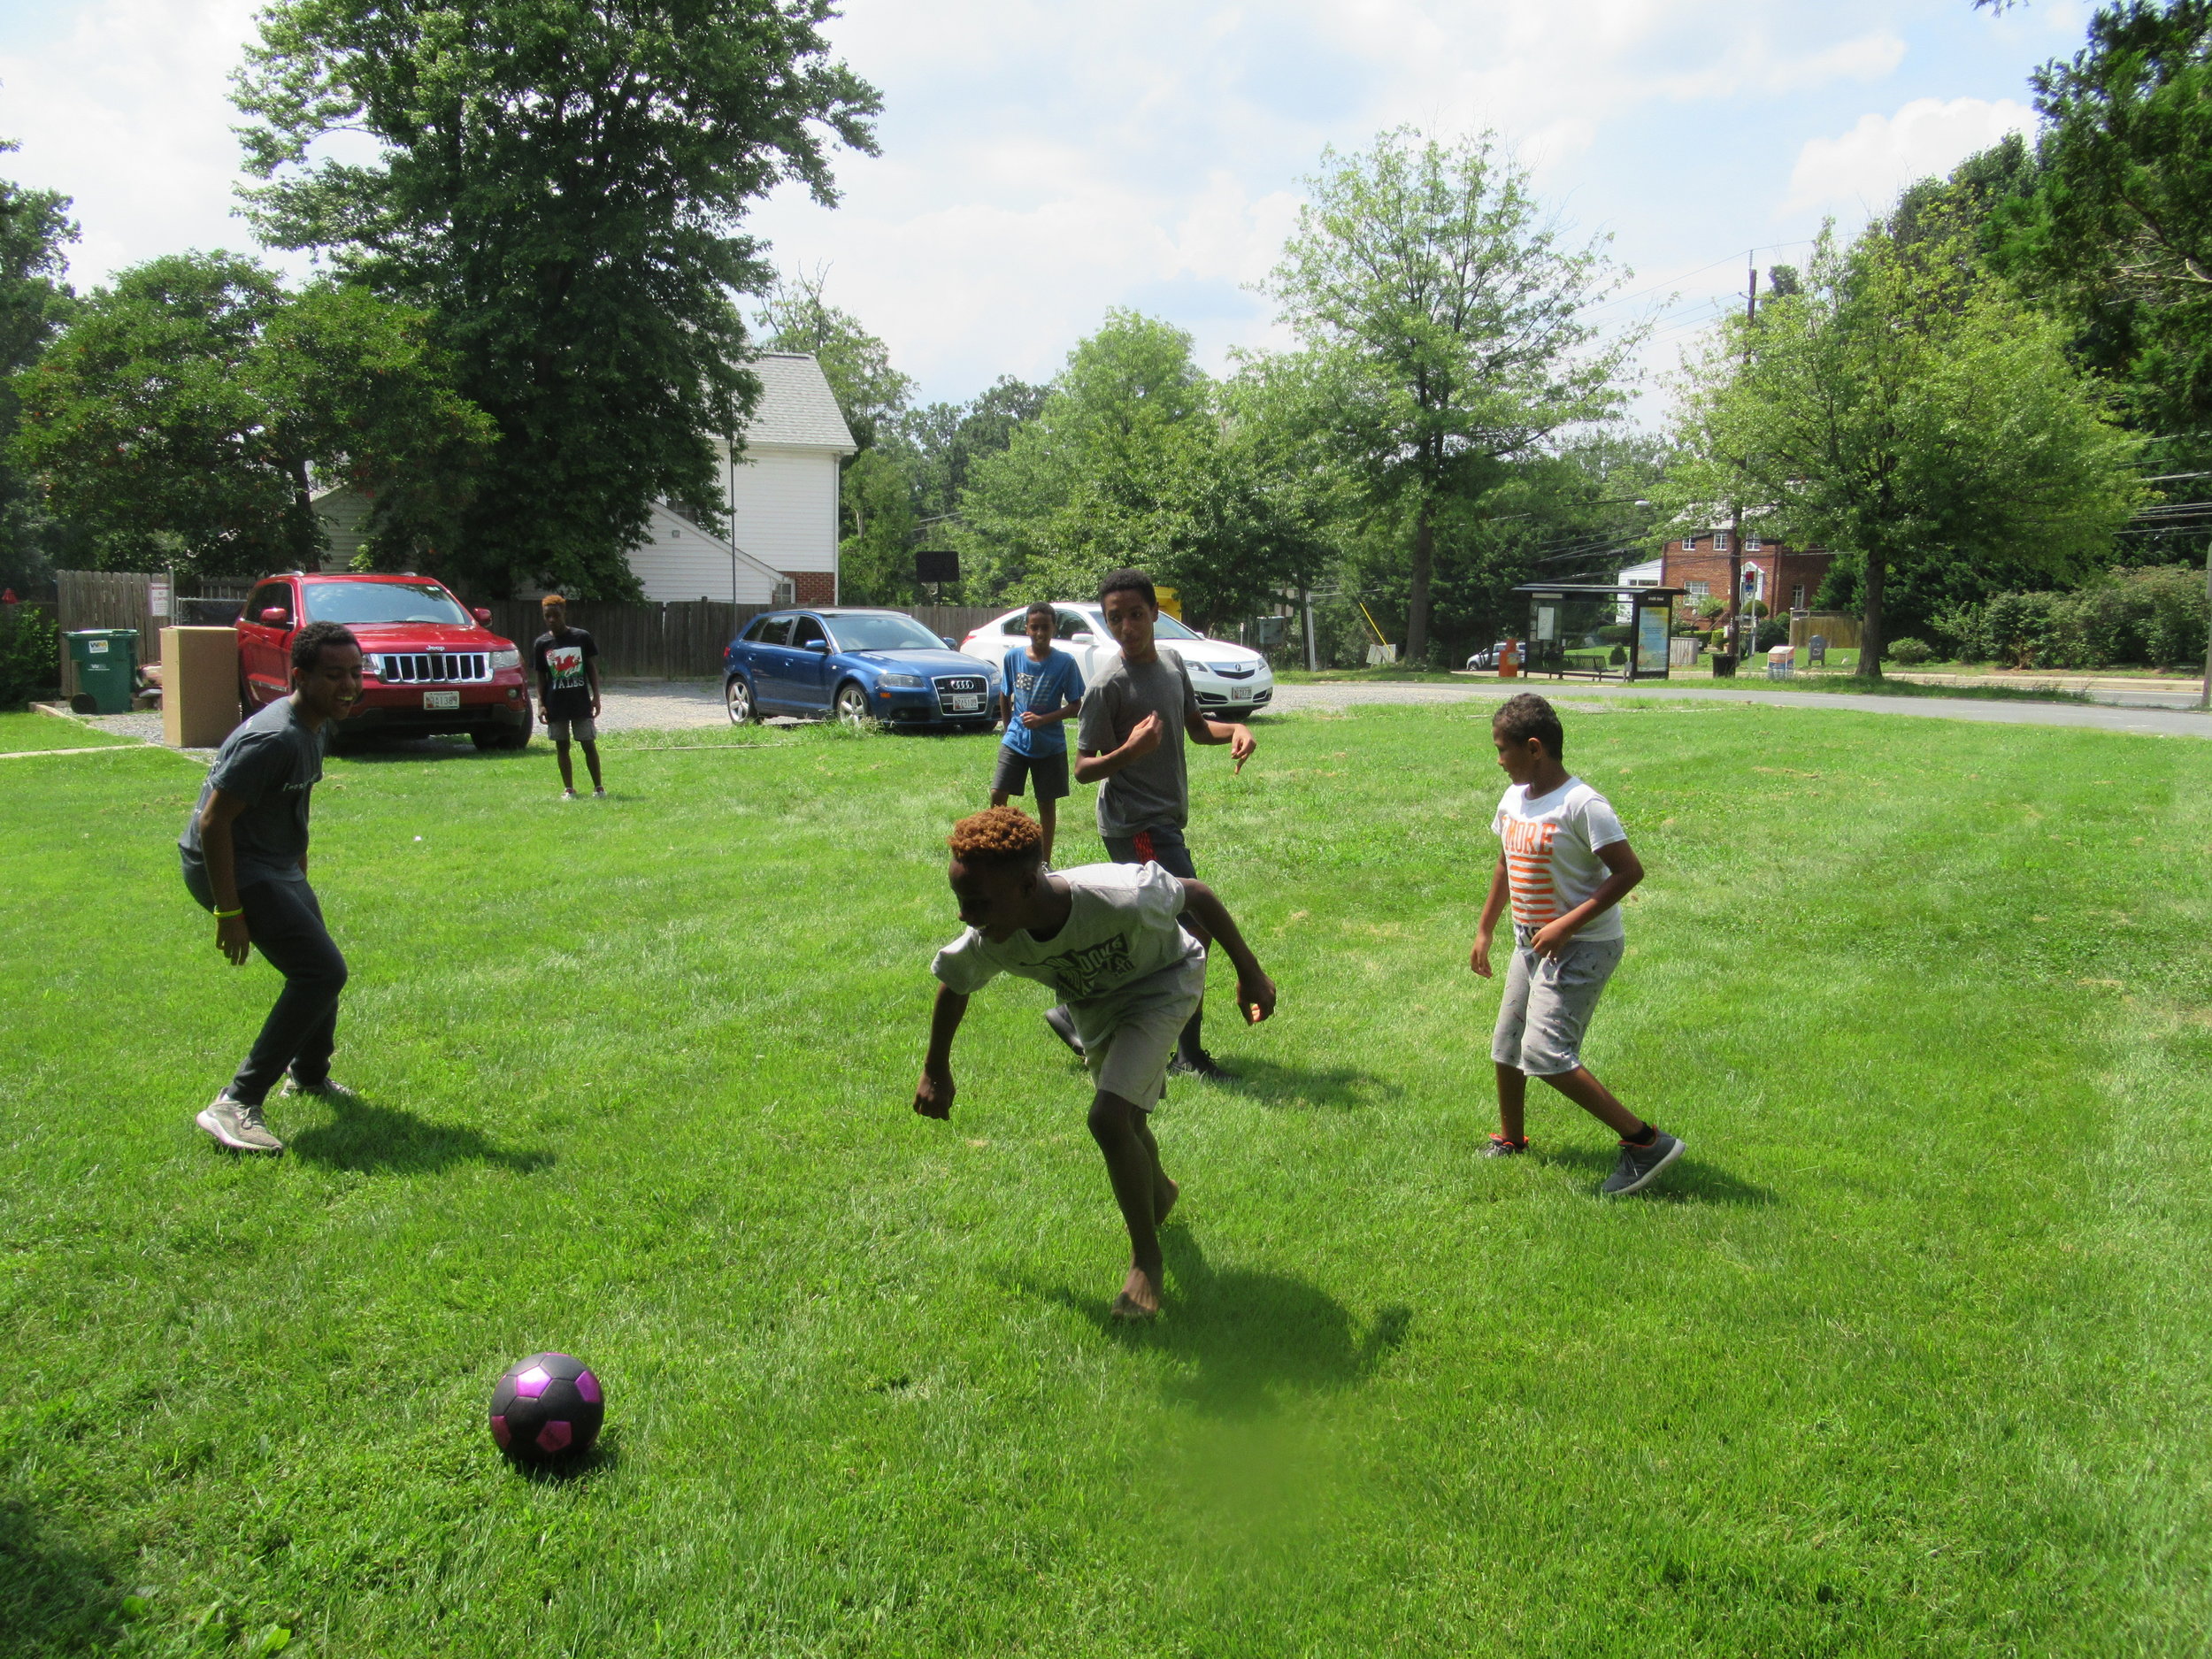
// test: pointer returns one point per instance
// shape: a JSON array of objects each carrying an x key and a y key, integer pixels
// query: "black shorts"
[
  {"x": 1160, "y": 845},
  {"x": 1015, "y": 771}
]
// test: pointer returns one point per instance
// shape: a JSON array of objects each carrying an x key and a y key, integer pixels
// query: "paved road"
[
  {"x": 2095, "y": 717},
  {"x": 687, "y": 704}
]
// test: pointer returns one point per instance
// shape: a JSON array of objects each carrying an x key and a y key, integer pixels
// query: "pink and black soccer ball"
[{"x": 547, "y": 1408}]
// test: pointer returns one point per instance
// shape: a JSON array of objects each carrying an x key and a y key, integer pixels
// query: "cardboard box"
[{"x": 199, "y": 686}]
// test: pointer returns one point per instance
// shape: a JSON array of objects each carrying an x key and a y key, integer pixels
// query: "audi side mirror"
[
  {"x": 482, "y": 616},
  {"x": 948, "y": 639},
  {"x": 274, "y": 616},
  {"x": 818, "y": 645}
]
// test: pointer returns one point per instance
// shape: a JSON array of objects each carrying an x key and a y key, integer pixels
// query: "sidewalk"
[{"x": 2153, "y": 721}]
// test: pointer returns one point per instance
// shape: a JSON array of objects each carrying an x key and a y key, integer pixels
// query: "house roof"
[{"x": 797, "y": 407}]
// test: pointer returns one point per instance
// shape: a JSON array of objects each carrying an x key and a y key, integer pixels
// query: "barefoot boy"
[
  {"x": 1567, "y": 865},
  {"x": 1106, "y": 938},
  {"x": 567, "y": 664},
  {"x": 1044, "y": 685}
]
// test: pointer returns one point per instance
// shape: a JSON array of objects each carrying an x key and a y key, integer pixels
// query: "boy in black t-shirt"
[{"x": 566, "y": 660}]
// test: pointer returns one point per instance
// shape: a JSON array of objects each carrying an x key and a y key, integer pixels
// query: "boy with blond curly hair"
[{"x": 1107, "y": 939}]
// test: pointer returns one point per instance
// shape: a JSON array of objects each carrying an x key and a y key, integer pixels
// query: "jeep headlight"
[
  {"x": 506, "y": 659},
  {"x": 901, "y": 682}
]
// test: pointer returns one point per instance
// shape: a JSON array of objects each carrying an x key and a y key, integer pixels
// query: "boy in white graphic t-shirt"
[
  {"x": 1565, "y": 864},
  {"x": 1107, "y": 939}
]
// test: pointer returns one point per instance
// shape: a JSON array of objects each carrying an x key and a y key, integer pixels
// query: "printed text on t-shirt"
[{"x": 1528, "y": 870}]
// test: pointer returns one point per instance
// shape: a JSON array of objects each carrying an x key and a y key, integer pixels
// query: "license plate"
[
  {"x": 963, "y": 702},
  {"x": 441, "y": 699}
]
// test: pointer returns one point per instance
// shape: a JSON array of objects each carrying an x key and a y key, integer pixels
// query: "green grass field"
[
  {"x": 24, "y": 733},
  {"x": 1909, "y": 1358}
]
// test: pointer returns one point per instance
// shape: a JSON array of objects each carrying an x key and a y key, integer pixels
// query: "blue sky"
[{"x": 1042, "y": 162}]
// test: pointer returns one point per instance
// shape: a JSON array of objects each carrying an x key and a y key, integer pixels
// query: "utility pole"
[
  {"x": 1735, "y": 511},
  {"x": 2204, "y": 697}
]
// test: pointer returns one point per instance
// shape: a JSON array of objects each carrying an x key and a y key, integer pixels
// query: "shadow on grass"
[
  {"x": 1275, "y": 1083},
  {"x": 1242, "y": 1337},
  {"x": 1688, "y": 1181},
  {"x": 54, "y": 1597},
  {"x": 605, "y": 1455},
  {"x": 383, "y": 1140}
]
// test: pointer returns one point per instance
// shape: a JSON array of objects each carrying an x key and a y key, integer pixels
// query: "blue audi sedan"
[{"x": 857, "y": 666}]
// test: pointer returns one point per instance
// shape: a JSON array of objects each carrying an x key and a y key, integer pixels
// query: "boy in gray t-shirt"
[
  {"x": 1130, "y": 735},
  {"x": 1107, "y": 938}
]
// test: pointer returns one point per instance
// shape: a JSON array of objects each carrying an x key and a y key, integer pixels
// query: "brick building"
[{"x": 1782, "y": 578}]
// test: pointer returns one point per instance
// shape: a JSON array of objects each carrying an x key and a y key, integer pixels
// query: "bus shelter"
[{"x": 1600, "y": 632}]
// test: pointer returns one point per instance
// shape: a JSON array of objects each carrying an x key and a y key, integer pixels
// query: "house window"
[
  {"x": 1797, "y": 597},
  {"x": 1751, "y": 542},
  {"x": 1720, "y": 540},
  {"x": 1701, "y": 590}
]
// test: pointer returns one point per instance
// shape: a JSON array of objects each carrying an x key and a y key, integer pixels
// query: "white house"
[{"x": 782, "y": 486}]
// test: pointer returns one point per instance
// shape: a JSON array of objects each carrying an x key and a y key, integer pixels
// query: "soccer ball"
[{"x": 547, "y": 1407}]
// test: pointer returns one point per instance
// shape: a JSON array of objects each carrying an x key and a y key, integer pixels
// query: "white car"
[{"x": 1231, "y": 681}]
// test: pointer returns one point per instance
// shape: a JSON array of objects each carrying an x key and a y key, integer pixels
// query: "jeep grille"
[{"x": 411, "y": 668}]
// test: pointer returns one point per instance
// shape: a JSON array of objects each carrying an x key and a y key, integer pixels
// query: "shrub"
[
  {"x": 1769, "y": 634},
  {"x": 30, "y": 655},
  {"x": 1909, "y": 650},
  {"x": 2155, "y": 615}
]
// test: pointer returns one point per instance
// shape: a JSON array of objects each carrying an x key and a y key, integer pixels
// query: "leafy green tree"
[
  {"x": 188, "y": 412},
  {"x": 2113, "y": 226},
  {"x": 1912, "y": 414},
  {"x": 561, "y": 183},
  {"x": 1067, "y": 496},
  {"x": 34, "y": 303},
  {"x": 1453, "y": 320}
]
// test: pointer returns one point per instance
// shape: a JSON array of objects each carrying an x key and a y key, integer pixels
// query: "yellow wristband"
[{"x": 224, "y": 916}]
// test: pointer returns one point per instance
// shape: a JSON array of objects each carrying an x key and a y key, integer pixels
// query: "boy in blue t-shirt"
[{"x": 1043, "y": 688}]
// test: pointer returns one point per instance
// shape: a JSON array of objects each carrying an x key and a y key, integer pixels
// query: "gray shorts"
[
  {"x": 584, "y": 729},
  {"x": 1129, "y": 1035},
  {"x": 1548, "y": 1002}
]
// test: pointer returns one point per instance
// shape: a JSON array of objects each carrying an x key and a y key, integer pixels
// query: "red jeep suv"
[{"x": 427, "y": 663}]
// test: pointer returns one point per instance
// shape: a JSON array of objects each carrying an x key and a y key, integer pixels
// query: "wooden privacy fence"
[
  {"x": 681, "y": 639},
  {"x": 1838, "y": 628},
  {"x": 124, "y": 599}
]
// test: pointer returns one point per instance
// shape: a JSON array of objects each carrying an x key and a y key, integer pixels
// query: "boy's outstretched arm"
[
  {"x": 1255, "y": 991},
  {"x": 1493, "y": 907},
  {"x": 1625, "y": 870},
  {"x": 933, "y": 1096}
]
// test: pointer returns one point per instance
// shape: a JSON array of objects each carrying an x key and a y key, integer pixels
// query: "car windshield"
[
  {"x": 369, "y": 603},
  {"x": 884, "y": 632},
  {"x": 1165, "y": 628}
]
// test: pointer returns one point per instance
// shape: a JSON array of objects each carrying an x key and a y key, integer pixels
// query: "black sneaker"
[
  {"x": 1501, "y": 1147},
  {"x": 1640, "y": 1166},
  {"x": 1063, "y": 1024},
  {"x": 1200, "y": 1065}
]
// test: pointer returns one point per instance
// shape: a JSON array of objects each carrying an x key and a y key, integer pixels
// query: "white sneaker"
[
  {"x": 329, "y": 1088},
  {"x": 598, "y": 794},
  {"x": 569, "y": 794},
  {"x": 237, "y": 1125}
]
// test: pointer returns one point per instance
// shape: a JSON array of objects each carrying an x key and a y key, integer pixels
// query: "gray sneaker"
[
  {"x": 1640, "y": 1166},
  {"x": 238, "y": 1125}
]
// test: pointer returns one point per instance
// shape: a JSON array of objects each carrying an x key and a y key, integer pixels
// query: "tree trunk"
[
  {"x": 1418, "y": 601},
  {"x": 1871, "y": 624}
]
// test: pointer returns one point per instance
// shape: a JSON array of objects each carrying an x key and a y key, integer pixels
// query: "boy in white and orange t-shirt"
[{"x": 1566, "y": 864}]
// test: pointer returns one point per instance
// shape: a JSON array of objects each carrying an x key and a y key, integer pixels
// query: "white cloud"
[
  {"x": 1043, "y": 161},
  {"x": 126, "y": 108},
  {"x": 1882, "y": 154}
]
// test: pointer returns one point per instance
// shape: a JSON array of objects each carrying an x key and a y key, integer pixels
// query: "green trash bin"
[{"x": 107, "y": 666}]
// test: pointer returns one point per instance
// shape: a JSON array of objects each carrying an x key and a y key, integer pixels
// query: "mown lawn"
[
  {"x": 1911, "y": 1356},
  {"x": 22, "y": 733}
]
